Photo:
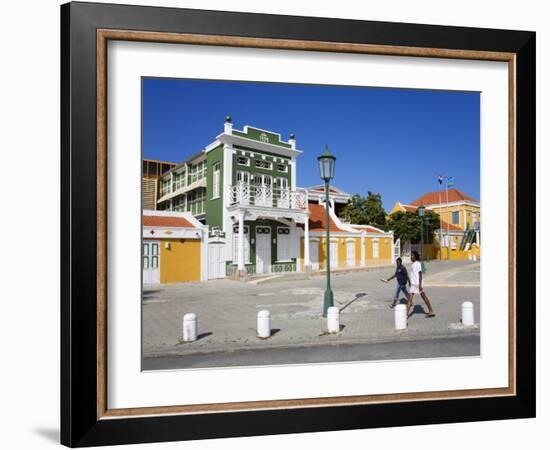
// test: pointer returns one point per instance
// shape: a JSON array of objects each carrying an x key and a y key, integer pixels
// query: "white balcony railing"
[{"x": 264, "y": 195}]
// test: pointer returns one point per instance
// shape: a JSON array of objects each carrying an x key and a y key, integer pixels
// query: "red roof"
[
  {"x": 432, "y": 198},
  {"x": 166, "y": 221},
  {"x": 409, "y": 208},
  {"x": 322, "y": 189},
  {"x": 317, "y": 219},
  {"x": 451, "y": 226}
]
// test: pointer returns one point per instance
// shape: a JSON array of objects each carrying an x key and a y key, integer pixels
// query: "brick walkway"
[{"x": 227, "y": 311}]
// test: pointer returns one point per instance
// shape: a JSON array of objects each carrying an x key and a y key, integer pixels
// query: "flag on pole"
[
  {"x": 450, "y": 181},
  {"x": 440, "y": 179}
]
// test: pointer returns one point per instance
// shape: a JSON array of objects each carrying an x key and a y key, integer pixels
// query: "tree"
[
  {"x": 365, "y": 211},
  {"x": 406, "y": 226}
]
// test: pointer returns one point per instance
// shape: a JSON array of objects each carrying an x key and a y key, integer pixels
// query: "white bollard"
[
  {"x": 468, "y": 314},
  {"x": 333, "y": 319},
  {"x": 264, "y": 324},
  {"x": 400, "y": 317},
  {"x": 190, "y": 327}
]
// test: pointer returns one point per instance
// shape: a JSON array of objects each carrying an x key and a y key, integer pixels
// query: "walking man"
[
  {"x": 402, "y": 277},
  {"x": 416, "y": 285}
]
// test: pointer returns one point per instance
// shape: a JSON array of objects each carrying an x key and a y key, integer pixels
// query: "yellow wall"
[
  {"x": 459, "y": 254},
  {"x": 431, "y": 251},
  {"x": 181, "y": 262},
  {"x": 357, "y": 252},
  {"x": 385, "y": 251},
  {"x": 385, "y": 248},
  {"x": 396, "y": 208},
  {"x": 465, "y": 216},
  {"x": 342, "y": 253}
]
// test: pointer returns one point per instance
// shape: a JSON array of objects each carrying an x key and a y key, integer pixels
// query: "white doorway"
[
  {"x": 350, "y": 253},
  {"x": 263, "y": 195},
  {"x": 150, "y": 262},
  {"x": 282, "y": 192},
  {"x": 263, "y": 249},
  {"x": 396, "y": 249},
  {"x": 375, "y": 249},
  {"x": 243, "y": 187},
  {"x": 333, "y": 254},
  {"x": 314, "y": 254},
  {"x": 216, "y": 263}
]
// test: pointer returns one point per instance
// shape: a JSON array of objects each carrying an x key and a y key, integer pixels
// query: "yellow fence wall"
[
  {"x": 385, "y": 251},
  {"x": 181, "y": 262},
  {"x": 459, "y": 254}
]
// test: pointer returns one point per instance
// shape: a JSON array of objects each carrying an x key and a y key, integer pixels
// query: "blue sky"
[{"x": 392, "y": 141}]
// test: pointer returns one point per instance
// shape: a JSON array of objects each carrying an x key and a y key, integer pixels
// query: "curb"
[{"x": 400, "y": 336}]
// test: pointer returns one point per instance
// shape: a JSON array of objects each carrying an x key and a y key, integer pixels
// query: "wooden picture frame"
[{"x": 85, "y": 417}]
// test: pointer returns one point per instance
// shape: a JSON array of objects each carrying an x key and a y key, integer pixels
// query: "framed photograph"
[{"x": 277, "y": 224}]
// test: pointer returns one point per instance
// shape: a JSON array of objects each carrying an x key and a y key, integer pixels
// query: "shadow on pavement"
[
  {"x": 203, "y": 335},
  {"x": 417, "y": 309},
  {"x": 357, "y": 296},
  {"x": 146, "y": 294}
]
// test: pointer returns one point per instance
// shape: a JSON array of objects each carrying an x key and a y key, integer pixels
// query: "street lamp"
[
  {"x": 421, "y": 212},
  {"x": 326, "y": 171}
]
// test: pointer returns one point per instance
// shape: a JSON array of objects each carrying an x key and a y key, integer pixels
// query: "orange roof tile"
[
  {"x": 451, "y": 226},
  {"x": 432, "y": 198},
  {"x": 166, "y": 221},
  {"x": 317, "y": 219},
  {"x": 322, "y": 189},
  {"x": 409, "y": 208}
]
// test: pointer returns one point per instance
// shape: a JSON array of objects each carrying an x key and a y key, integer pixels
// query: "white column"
[
  {"x": 204, "y": 253},
  {"x": 228, "y": 126},
  {"x": 227, "y": 182},
  {"x": 468, "y": 314},
  {"x": 363, "y": 262},
  {"x": 293, "y": 174},
  {"x": 307, "y": 262},
  {"x": 240, "y": 262},
  {"x": 190, "y": 327}
]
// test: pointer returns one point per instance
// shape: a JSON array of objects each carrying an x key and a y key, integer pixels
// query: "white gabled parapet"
[{"x": 339, "y": 223}]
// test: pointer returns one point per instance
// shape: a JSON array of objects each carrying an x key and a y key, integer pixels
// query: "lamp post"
[
  {"x": 326, "y": 171},
  {"x": 421, "y": 212}
]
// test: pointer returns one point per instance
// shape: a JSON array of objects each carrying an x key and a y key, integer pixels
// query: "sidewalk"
[
  {"x": 227, "y": 312},
  {"x": 465, "y": 276},
  {"x": 258, "y": 279}
]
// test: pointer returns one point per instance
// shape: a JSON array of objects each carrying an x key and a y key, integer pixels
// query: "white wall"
[{"x": 29, "y": 108}]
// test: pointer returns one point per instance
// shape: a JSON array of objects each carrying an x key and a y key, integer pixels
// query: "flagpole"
[
  {"x": 440, "y": 221},
  {"x": 447, "y": 217}
]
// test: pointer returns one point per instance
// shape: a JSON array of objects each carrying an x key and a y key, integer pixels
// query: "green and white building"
[{"x": 243, "y": 187}]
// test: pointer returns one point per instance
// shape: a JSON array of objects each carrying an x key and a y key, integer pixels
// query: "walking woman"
[{"x": 417, "y": 286}]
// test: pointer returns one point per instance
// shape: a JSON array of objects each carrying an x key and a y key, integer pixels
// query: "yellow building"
[
  {"x": 173, "y": 248},
  {"x": 457, "y": 209},
  {"x": 351, "y": 246},
  {"x": 460, "y": 219}
]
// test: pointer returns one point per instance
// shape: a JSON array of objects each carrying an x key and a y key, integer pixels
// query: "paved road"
[
  {"x": 227, "y": 312},
  {"x": 431, "y": 348}
]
